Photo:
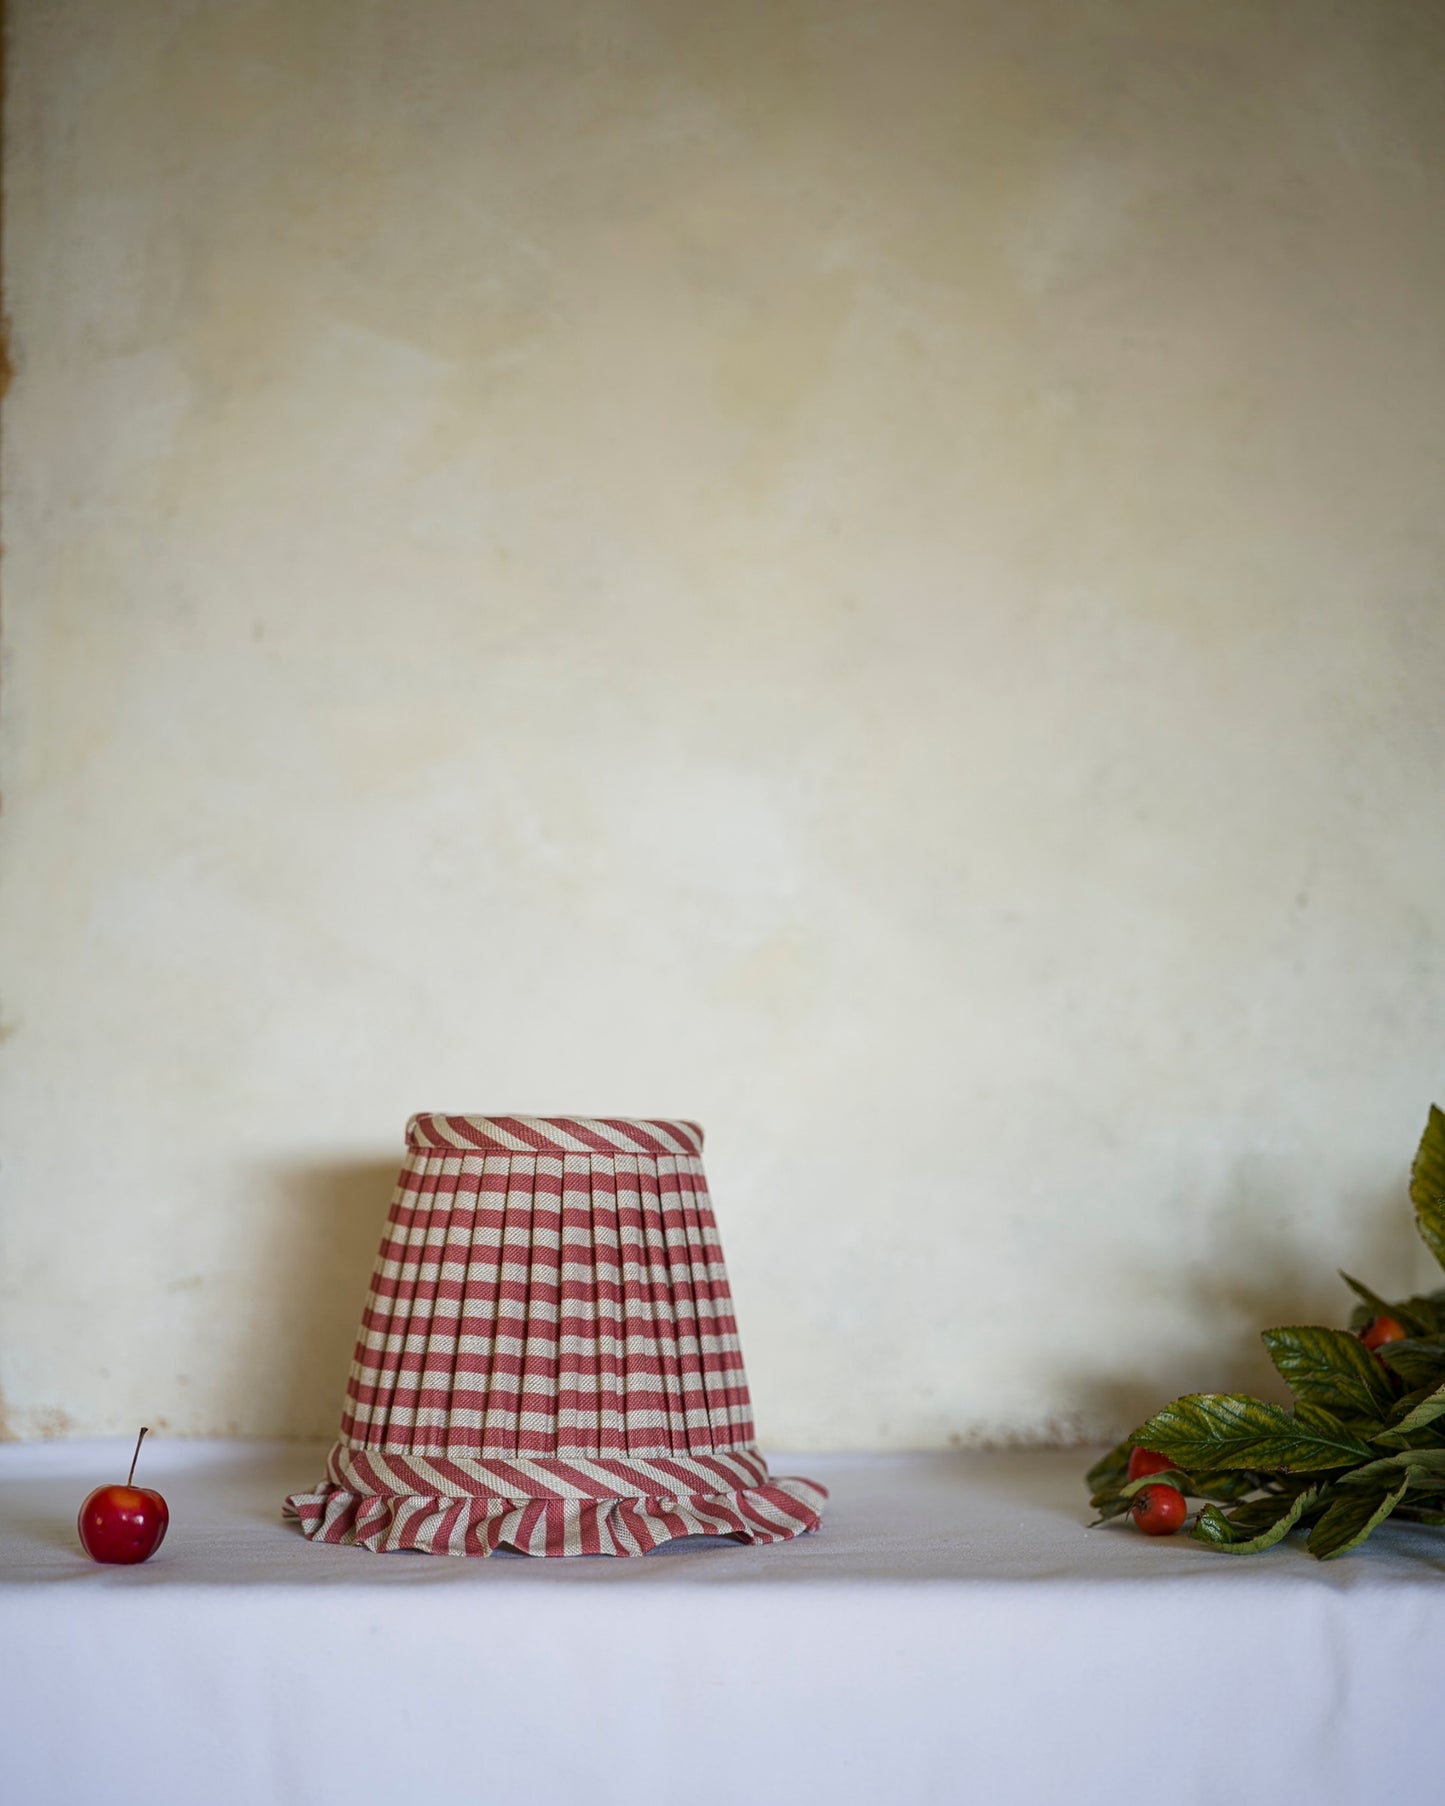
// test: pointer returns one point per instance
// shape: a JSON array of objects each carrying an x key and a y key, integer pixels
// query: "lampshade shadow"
[{"x": 328, "y": 1236}]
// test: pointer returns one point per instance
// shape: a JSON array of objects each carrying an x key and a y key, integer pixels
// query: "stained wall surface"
[{"x": 867, "y": 573}]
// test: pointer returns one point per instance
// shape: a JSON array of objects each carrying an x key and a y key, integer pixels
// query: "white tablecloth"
[{"x": 952, "y": 1634}]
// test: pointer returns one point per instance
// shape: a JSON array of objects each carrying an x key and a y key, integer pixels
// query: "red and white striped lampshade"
[{"x": 548, "y": 1359}]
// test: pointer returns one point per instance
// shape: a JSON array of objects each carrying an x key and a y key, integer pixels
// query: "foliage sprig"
[{"x": 1364, "y": 1441}]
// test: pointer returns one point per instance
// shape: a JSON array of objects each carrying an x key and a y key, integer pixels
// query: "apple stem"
[{"x": 136, "y": 1456}]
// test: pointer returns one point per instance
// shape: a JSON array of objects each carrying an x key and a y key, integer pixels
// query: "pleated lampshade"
[{"x": 548, "y": 1359}]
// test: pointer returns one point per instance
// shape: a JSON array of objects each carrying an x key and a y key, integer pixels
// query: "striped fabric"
[
  {"x": 554, "y": 1135},
  {"x": 548, "y": 1358}
]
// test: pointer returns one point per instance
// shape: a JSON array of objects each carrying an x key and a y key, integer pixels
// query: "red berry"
[
  {"x": 1383, "y": 1329},
  {"x": 1145, "y": 1461},
  {"x": 1158, "y": 1510}
]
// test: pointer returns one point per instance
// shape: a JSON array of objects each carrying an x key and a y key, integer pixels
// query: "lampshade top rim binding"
[{"x": 440, "y": 1131}]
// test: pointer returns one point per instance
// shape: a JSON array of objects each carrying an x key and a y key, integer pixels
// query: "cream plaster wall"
[{"x": 870, "y": 573}]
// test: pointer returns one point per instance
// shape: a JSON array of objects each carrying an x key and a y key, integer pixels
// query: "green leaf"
[
  {"x": 1258, "y": 1525},
  {"x": 1414, "y": 1412},
  {"x": 1423, "y": 1462},
  {"x": 1214, "y": 1528},
  {"x": 1416, "y": 1360},
  {"x": 1230, "y": 1430},
  {"x": 1109, "y": 1471},
  {"x": 1422, "y": 1467},
  {"x": 1427, "y": 1184},
  {"x": 1329, "y": 1367},
  {"x": 1350, "y": 1519},
  {"x": 1380, "y": 1307},
  {"x": 1387, "y": 1471}
]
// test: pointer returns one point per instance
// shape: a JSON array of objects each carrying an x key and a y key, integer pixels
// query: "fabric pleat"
[{"x": 548, "y": 1358}]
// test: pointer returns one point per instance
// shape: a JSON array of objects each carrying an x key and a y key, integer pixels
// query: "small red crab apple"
[
  {"x": 1145, "y": 1461},
  {"x": 1158, "y": 1510},
  {"x": 1380, "y": 1330},
  {"x": 123, "y": 1523}
]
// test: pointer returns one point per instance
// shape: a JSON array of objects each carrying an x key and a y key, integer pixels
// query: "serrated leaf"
[
  {"x": 1427, "y": 1184},
  {"x": 1384, "y": 1472},
  {"x": 1423, "y": 1461},
  {"x": 1417, "y": 1360},
  {"x": 1329, "y": 1367},
  {"x": 1414, "y": 1412},
  {"x": 1258, "y": 1525},
  {"x": 1381, "y": 1307},
  {"x": 1109, "y": 1471},
  {"x": 1350, "y": 1519},
  {"x": 1422, "y": 1467},
  {"x": 1212, "y": 1527},
  {"x": 1231, "y": 1430}
]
